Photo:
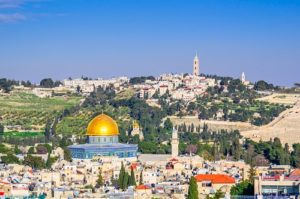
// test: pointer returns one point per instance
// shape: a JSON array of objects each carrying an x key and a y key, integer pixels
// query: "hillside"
[
  {"x": 77, "y": 123},
  {"x": 286, "y": 127},
  {"x": 30, "y": 112}
]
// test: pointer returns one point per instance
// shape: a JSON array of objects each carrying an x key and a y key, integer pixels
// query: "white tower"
[
  {"x": 196, "y": 68},
  {"x": 175, "y": 143},
  {"x": 243, "y": 77}
]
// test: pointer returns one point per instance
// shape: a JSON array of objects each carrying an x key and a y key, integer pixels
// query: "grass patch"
[{"x": 22, "y": 134}]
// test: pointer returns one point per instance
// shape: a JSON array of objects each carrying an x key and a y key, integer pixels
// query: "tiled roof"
[
  {"x": 215, "y": 178},
  {"x": 294, "y": 173},
  {"x": 134, "y": 166},
  {"x": 173, "y": 160},
  {"x": 142, "y": 187}
]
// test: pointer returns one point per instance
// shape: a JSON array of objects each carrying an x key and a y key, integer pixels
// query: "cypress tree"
[
  {"x": 121, "y": 177},
  {"x": 141, "y": 178},
  {"x": 100, "y": 179},
  {"x": 252, "y": 174},
  {"x": 48, "y": 162},
  {"x": 132, "y": 178},
  {"x": 193, "y": 189},
  {"x": 125, "y": 181}
]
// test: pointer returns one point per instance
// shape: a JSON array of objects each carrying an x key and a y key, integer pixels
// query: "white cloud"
[
  {"x": 10, "y": 3},
  {"x": 10, "y": 18},
  {"x": 7, "y": 4}
]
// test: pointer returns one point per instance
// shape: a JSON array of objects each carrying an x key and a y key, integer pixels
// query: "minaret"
[
  {"x": 196, "y": 66},
  {"x": 175, "y": 143},
  {"x": 243, "y": 78}
]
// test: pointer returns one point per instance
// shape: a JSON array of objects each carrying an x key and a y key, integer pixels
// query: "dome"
[{"x": 102, "y": 125}]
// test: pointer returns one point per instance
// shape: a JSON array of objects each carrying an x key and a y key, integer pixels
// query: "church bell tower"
[{"x": 196, "y": 64}]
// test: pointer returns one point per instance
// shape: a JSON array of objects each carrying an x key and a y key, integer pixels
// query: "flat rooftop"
[{"x": 154, "y": 157}]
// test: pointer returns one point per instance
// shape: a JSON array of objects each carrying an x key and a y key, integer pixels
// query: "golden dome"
[
  {"x": 102, "y": 125},
  {"x": 135, "y": 124}
]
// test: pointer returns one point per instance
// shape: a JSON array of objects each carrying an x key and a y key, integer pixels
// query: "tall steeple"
[
  {"x": 243, "y": 78},
  {"x": 175, "y": 143},
  {"x": 196, "y": 65}
]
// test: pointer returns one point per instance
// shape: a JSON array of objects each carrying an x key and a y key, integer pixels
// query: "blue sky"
[{"x": 106, "y": 38}]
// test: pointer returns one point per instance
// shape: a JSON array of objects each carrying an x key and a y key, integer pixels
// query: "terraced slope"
[
  {"x": 286, "y": 127},
  {"x": 30, "y": 111}
]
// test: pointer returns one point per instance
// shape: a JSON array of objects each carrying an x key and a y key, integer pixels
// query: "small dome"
[{"x": 102, "y": 125}]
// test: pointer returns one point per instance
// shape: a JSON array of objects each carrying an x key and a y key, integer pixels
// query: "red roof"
[
  {"x": 271, "y": 178},
  {"x": 295, "y": 173},
  {"x": 173, "y": 160},
  {"x": 142, "y": 187},
  {"x": 215, "y": 178},
  {"x": 133, "y": 166}
]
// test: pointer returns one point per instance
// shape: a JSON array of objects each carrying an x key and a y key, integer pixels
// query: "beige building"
[
  {"x": 143, "y": 192},
  {"x": 51, "y": 177},
  {"x": 210, "y": 183},
  {"x": 278, "y": 184}
]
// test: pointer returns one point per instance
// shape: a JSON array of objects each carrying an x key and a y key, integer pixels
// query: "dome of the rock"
[
  {"x": 103, "y": 140},
  {"x": 102, "y": 125}
]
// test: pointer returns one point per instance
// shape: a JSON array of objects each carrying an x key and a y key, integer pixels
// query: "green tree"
[
  {"x": 78, "y": 89},
  {"x": 243, "y": 188},
  {"x": 34, "y": 162},
  {"x": 219, "y": 194},
  {"x": 30, "y": 150},
  {"x": 147, "y": 147},
  {"x": 17, "y": 150},
  {"x": 132, "y": 178},
  {"x": 7, "y": 84},
  {"x": 10, "y": 159},
  {"x": 168, "y": 124},
  {"x": 193, "y": 189},
  {"x": 141, "y": 178},
  {"x": 48, "y": 130},
  {"x": 47, "y": 83},
  {"x": 67, "y": 154},
  {"x": 1, "y": 129},
  {"x": 125, "y": 181},
  {"x": 251, "y": 174},
  {"x": 100, "y": 181},
  {"x": 121, "y": 176},
  {"x": 48, "y": 147},
  {"x": 262, "y": 86},
  {"x": 296, "y": 155},
  {"x": 155, "y": 95},
  {"x": 236, "y": 149},
  {"x": 48, "y": 162}
]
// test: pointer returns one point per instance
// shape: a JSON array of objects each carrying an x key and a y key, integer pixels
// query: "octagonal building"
[{"x": 103, "y": 140}]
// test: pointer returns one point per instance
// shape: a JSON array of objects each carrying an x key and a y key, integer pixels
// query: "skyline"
[{"x": 56, "y": 39}]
